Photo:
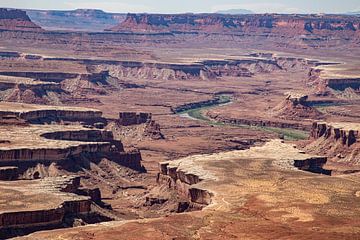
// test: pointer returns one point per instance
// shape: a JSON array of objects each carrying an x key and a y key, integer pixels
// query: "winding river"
[{"x": 194, "y": 111}]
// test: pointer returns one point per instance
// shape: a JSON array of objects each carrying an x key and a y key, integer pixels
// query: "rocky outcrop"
[
  {"x": 184, "y": 183},
  {"x": 33, "y": 215},
  {"x": 133, "y": 127},
  {"x": 26, "y": 145},
  {"x": 338, "y": 141},
  {"x": 36, "y": 93},
  {"x": 313, "y": 164},
  {"x": 293, "y": 24},
  {"x": 133, "y": 118},
  {"x": 153, "y": 130},
  {"x": 295, "y": 107},
  {"x": 131, "y": 159},
  {"x": 11, "y": 19},
  {"x": 341, "y": 133}
]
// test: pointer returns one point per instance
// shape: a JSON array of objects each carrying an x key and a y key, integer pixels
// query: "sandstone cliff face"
[
  {"x": 134, "y": 127},
  {"x": 340, "y": 141},
  {"x": 184, "y": 183},
  {"x": 293, "y": 24},
  {"x": 16, "y": 20},
  {"x": 344, "y": 83},
  {"x": 323, "y": 85},
  {"x": 29, "y": 217}
]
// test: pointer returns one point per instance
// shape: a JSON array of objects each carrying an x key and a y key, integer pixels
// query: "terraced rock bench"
[{"x": 44, "y": 207}]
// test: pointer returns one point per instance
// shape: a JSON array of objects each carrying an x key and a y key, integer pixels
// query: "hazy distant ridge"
[
  {"x": 79, "y": 20},
  {"x": 235, "y": 11}
]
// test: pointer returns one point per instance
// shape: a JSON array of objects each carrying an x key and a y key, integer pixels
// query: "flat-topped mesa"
[
  {"x": 294, "y": 107},
  {"x": 291, "y": 24},
  {"x": 47, "y": 205},
  {"x": 194, "y": 179},
  {"x": 346, "y": 134},
  {"x": 16, "y": 20},
  {"x": 324, "y": 82},
  {"x": 297, "y": 98},
  {"x": 135, "y": 125},
  {"x": 48, "y": 143},
  {"x": 30, "y": 145},
  {"x": 133, "y": 118}
]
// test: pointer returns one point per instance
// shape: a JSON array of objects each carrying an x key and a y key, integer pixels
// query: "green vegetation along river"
[{"x": 195, "y": 111}]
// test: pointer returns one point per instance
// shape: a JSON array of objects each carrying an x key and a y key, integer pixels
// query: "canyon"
[{"x": 178, "y": 126}]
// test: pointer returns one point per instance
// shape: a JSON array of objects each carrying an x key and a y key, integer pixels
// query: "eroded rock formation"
[
  {"x": 133, "y": 118},
  {"x": 295, "y": 107},
  {"x": 293, "y": 24},
  {"x": 12, "y": 19},
  {"x": 57, "y": 201},
  {"x": 339, "y": 141}
]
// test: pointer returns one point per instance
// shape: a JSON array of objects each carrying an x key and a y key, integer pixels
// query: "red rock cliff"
[{"x": 290, "y": 24}]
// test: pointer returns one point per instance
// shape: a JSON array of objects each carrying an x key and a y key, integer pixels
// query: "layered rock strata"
[
  {"x": 339, "y": 141},
  {"x": 293, "y": 24},
  {"x": 324, "y": 82},
  {"x": 46, "y": 206},
  {"x": 30, "y": 112},
  {"x": 13, "y": 19},
  {"x": 254, "y": 190},
  {"x": 25, "y": 145},
  {"x": 295, "y": 107},
  {"x": 133, "y": 118},
  {"x": 189, "y": 176}
]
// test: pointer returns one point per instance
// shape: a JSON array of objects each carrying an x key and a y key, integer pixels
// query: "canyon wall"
[
  {"x": 51, "y": 215},
  {"x": 336, "y": 132},
  {"x": 326, "y": 85},
  {"x": 55, "y": 114},
  {"x": 293, "y": 24},
  {"x": 203, "y": 70},
  {"x": 184, "y": 183},
  {"x": 338, "y": 141},
  {"x": 259, "y": 122}
]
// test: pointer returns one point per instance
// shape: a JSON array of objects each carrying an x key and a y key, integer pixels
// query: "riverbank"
[{"x": 195, "y": 112}]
